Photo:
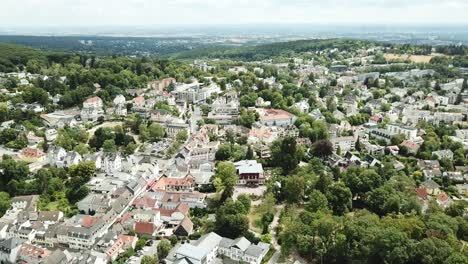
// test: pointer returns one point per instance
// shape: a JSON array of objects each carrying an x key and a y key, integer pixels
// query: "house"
[
  {"x": 93, "y": 202},
  {"x": 429, "y": 164},
  {"x": 32, "y": 155},
  {"x": 174, "y": 126},
  {"x": 145, "y": 228},
  {"x": 59, "y": 157},
  {"x": 32, "y": 254},
  {"x": 317, "y": 114},
  {"x": 409, "y": 132},
  {"x": 26, "y": 203},
  {"x": 421, "y": 192},
  {"x": 92, "y": 109},
  {"x": 276, "y": 117},
  {"x": 443, "y": 154},
  {"x": 431, "y": 186},
  {"x": 111, "y": 163},
  {"x": 303, "y": 106},
  {"x": 9, "y": 249},
  {"x": 411, "y": 146},
  {"x": 343, "y": 143},
  {"x": 429, "y": 174},
  {"x": 145, "y": 202},
  {"x": 224, "y": 110},
  {"x": 185, "y": 228},
  {"x": 122, "y": 243},
  {"x": 243, "y": 250},
  {"x": 59, "y": 257},
  {"x": 33, "y": 140},
  {"x": 120, "y": 107},
  {"x": 161, "y": 84},
  {"x": 146, "y": 216},
  {"x": 456, "y": 176},
  {"x": 50, "y": 217},
  {"x": 443, "y": 200},
  {"x": 185, "y": 184},
  {"x": 250, "y": 172},
  {"x": 202, "y": 251},
  {"x": 207, "y": 248}
]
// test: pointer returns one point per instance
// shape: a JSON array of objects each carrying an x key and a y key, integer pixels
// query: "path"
[{"x": 274, "y": 238}]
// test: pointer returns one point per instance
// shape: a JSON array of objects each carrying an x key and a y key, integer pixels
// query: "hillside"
[{"x": 281, "y": 49}]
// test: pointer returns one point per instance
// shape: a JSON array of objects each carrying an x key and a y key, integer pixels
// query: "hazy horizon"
[{"x": 116, "y": 13}]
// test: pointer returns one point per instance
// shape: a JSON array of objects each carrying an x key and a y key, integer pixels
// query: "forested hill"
[
  {"x": 268, "y": 51},
  {"x": 12, "y": 56}
]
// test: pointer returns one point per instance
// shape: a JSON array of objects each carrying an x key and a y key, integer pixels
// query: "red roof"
[
  {"x": 139, "y": 99},
  {"x": 94, "y": 99},
  {"x": 276, "y": 114},
  {"x": 144, "y": 228},
  {"x": 32, "y": 152},
  {"x": 422, "y": 193},
  {"x": 145, "y": 202},
  {"x": 409, "y": 144},
  {"x": 89, "y": 221},
  {"x": 442, "y": 197},
  {"x": 124, "y": 218}
]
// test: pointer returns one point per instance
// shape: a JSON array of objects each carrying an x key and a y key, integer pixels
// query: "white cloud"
[{"x": 158, "y": 12}]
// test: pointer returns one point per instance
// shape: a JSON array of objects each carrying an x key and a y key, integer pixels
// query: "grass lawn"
[
  {"x": 255, "y": 218},
  {"x": 268, "y": 255}
]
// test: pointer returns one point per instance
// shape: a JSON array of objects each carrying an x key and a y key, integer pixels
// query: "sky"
[{"x": 89, "y": 13}]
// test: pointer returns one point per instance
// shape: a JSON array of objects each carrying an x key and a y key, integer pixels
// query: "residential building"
[
  {"x": 9, "y": 249},
  {"x": 92, "y": 109},
  {"x": 206, "y": 249},
  {"x": 250, "y": 172},
  {"x": 409, "y": 132},
  {"x": 120, "y": 107},
  {"x": 276, "y": 117}
]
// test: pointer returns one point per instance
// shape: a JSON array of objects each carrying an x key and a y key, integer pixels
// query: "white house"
[
  {"x": 120, "y": 107},
  {"x": 92, "y": 109}
]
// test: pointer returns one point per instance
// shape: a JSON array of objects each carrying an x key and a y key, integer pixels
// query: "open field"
[{"x": 412, "y": 58}]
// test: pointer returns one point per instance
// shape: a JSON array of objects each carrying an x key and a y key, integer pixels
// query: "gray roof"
[
  {"x": 200, "y": 248},
  {"x": 241, "y": 243},
  {"x": 256, "y": 250},
  {"x": 10, "y": 243},
  {"x": 248, "y": 166}
]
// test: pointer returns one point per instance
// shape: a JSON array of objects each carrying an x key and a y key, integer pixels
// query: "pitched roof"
[
  {"x": 186, "y": 224},
  {"x": 145, "y": 202},
  {"x": 49, "y": 216},
  {"x": 144, "y": 228},
  {"x": 89, "y": 221},
  {"x": 421, "y": 192}
]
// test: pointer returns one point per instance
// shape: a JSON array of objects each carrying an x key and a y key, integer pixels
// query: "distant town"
[{"x": 313, "y": 151}]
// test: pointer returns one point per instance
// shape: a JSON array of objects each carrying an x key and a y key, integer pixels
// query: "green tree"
[
  {"x": 294, "y": 189},
  {"x": 361, "y": 180},
  {"x": 163, "y": 248},
  {"x": 149, "y": 260},
  {"x": 109, "y": 146},
  {"x": 339, "y": 198},
  {"x": 286, "y": 154},
  {"x": 227, "y": 175},
  {"x": 231, "y": 219},
  {"x": 322, "y": 149},
  {"x": 317, "y": 202},
  {"x": 156, "y": 132},
  {"x": 391, "y": 246},
  {"x": 182, "y": 135},
  {"x": 433, "y": 250},
  {"x": 5, "y": 202},
  {"x": 245, "y": 200}
]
